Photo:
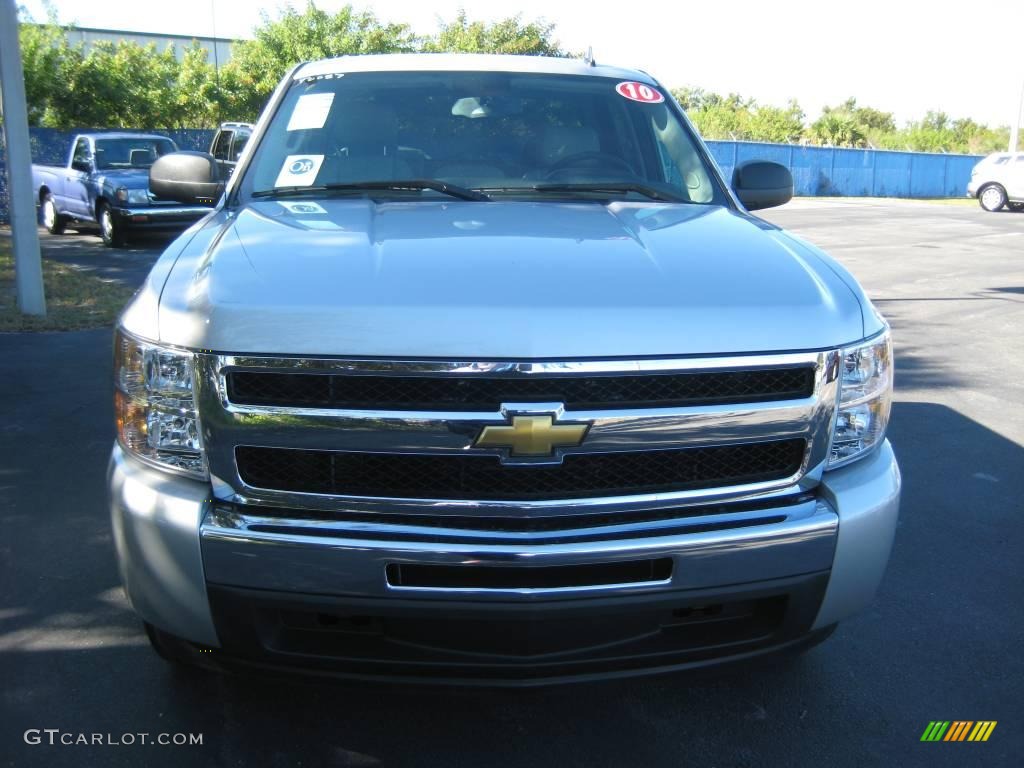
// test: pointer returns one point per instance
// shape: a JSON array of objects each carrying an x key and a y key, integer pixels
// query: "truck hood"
[
  {"x": 129, "y": 178},
  {"x": 504, "y": 279}
]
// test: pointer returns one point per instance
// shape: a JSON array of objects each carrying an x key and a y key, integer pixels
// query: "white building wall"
[{"x": 88, "y": 35}]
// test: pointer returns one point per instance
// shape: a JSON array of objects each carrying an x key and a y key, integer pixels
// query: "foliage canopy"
[{"x": 126, "y": 85}]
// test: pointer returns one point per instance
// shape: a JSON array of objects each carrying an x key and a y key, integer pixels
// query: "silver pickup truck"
[{"x": 480, "y": 372}]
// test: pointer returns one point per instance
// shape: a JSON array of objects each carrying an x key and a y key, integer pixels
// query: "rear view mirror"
[
  {"x": 187, "y": 177},
  {"x": 759, "y": 184}
]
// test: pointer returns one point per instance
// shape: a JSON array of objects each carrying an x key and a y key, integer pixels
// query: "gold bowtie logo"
[{"x": 532, "y": 436}]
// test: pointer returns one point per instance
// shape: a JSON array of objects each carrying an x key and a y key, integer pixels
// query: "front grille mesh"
[
  {"x": 475, "y": 477},
  {"x": 487, "y": 393}
]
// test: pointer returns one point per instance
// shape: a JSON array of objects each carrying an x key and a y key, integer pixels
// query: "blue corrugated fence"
[{"x": 856, "y": 172}]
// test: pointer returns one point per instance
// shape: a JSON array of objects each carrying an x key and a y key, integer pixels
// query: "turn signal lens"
[
  {"x": 865, "y": 400},
  {"x": 154, "y": 407}
]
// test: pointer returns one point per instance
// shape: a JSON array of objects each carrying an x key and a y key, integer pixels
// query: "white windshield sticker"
[
  {"x": 310, "y": 111},
  {"x": 302, "y": 209},
  {"x": 299, "y": 171}
]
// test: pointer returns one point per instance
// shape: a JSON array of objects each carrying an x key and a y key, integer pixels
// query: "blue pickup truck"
[{"x": 106, "y": 182}]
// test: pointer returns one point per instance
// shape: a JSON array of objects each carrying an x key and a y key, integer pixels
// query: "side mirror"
[
  {"x": 760, "y": 184},
  {"x": 188, "y": 177},
  {"x": 84, "y": 166}
]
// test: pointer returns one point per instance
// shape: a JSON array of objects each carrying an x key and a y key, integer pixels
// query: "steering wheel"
[{"x": 589, "y": 162}]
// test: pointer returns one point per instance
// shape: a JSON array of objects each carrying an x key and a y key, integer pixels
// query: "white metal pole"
[
  {"x": 28, "y": 268},
  {"x": 1015, "y": 123}
]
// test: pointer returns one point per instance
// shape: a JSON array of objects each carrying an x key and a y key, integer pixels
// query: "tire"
[
  {"x": 54, "y": 222},
  {"x": 112, "y": 233},
  {"x": 992, "y": 197}
]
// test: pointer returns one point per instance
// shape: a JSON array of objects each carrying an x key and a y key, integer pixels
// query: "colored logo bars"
[{"x": 958, "y": 730}]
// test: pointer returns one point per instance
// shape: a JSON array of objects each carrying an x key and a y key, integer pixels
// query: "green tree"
[
  {"x": 977, "y": 139},
  {"x": 736, "y": 117},
  {"x": 932, "y": 134},
  {"x": 868, "y": 118},
  {"x": 127, "y": 85},
  {"x": 850, "y": 125},
  {"x": 509, "y": 35},
  {"x": 131, "y": 86},
  {"x": 258, "y": 65},
  {"x": 692, "y": 99},
  {"x": 44, "y": 52},
  {"x": 117, "y": 86},
  {"x": 781, "y": 125},
  {"x": 721, "y": 121},
  {"x": 108, "y": 86},
  {"x": 198, "y": 98},
  {"x": 719, "y": 117},
  {"x": 837, "y": 128}
]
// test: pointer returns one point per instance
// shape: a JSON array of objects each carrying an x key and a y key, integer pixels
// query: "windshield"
[
  {"x": 508, "y": 134},
  {"x": 131, "y": 153}
]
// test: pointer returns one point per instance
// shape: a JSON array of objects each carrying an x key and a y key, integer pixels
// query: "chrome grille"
[
  {"x": 469, "y": 477},
  {"x": 475, "y": 393},
  {"x": 699, "y": 430},
  {"x": 605, "y": 525}
]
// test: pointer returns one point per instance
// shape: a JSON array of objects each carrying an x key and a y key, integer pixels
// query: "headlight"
[
  {"x": 865, "y": 399},
  {"x": 132, "y": 196},
  {"x": 154, "y": 406}
]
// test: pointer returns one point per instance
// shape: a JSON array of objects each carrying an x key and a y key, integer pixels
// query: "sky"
[{"x": 901, "y": 56}]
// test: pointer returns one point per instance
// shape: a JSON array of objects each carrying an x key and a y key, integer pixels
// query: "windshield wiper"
[
  {"x": 601, "y": 187},
  {"x": 443, "y": 187}
]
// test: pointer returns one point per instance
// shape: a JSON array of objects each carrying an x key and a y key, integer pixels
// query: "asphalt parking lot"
[{"x": 942, "y": 640}]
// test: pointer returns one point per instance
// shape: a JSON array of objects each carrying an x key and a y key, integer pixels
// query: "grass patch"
[{"x": 75, "y": 299}]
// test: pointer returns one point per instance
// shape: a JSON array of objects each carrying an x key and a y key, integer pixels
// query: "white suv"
[{"x": 998, "y": 180}]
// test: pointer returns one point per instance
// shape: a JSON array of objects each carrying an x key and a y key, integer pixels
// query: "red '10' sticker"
[{"x": 639, "y": 92}]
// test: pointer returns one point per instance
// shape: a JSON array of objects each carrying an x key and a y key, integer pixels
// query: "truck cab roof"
[
  {"x": 465, "y": 62},
  {"x": 120, "y": 135}
]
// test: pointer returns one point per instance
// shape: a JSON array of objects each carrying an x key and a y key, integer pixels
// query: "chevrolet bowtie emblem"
[{"x": 531, "y": 436}]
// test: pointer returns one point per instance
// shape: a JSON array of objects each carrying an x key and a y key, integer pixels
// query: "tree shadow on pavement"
[{"x": 85, "y": 251}]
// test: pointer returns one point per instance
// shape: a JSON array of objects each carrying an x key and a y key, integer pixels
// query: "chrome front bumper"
[
  {"x": 172, "y": 539},
  {"x": 156, "y": 216},
  {"x": 236, "y": 552}
]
